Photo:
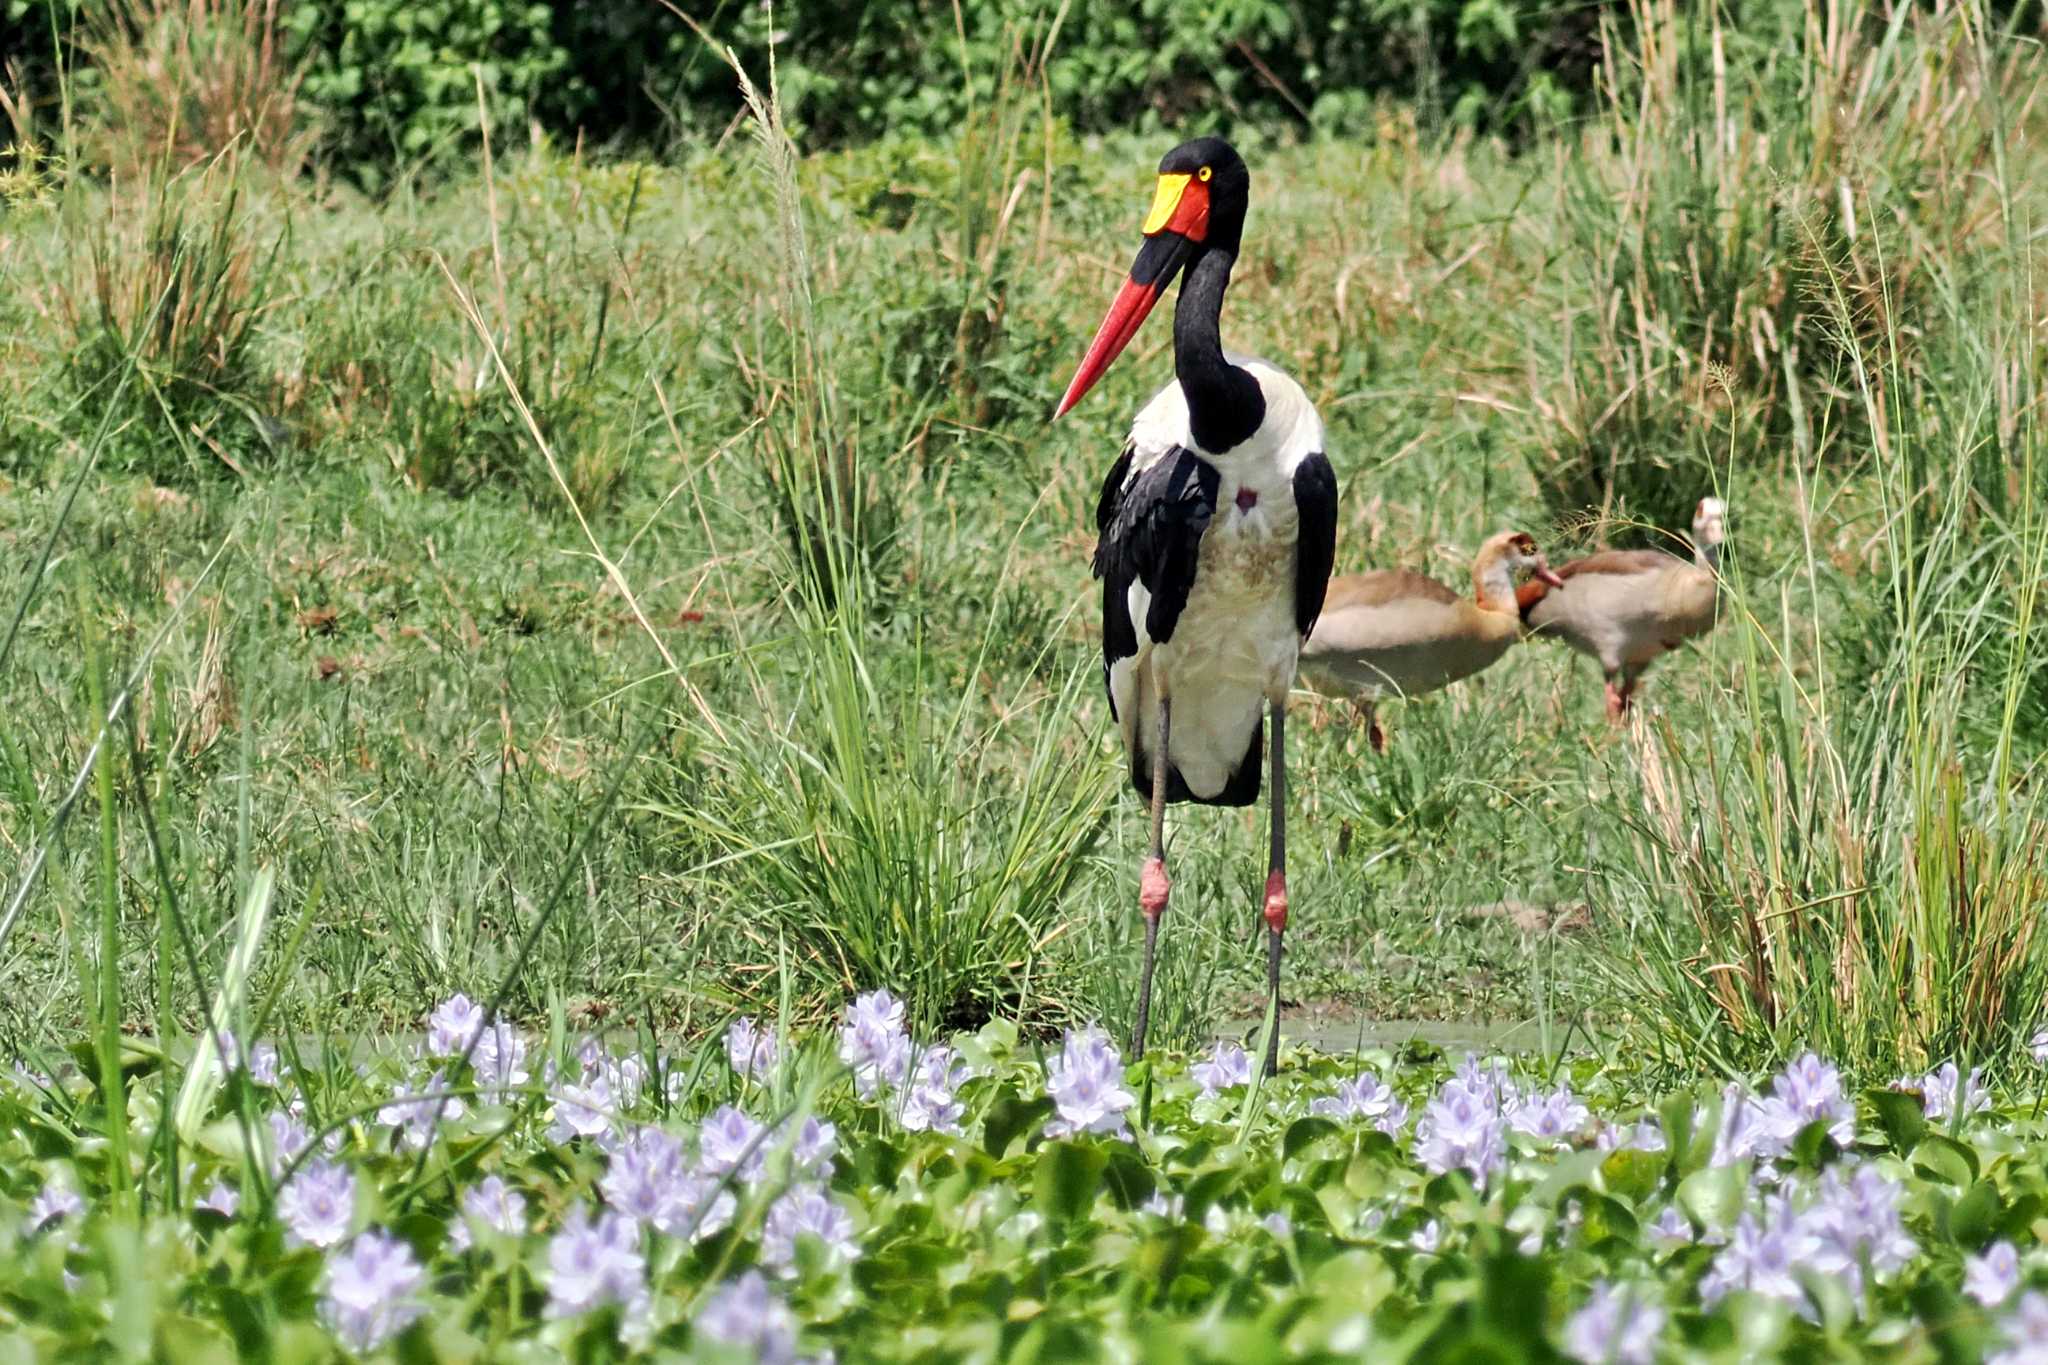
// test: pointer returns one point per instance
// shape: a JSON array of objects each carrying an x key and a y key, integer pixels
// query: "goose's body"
[
  {"x": 1394, "y": 633},
  {"x": 1218, "y": 527},
  {"x": 1624, "y": 609}
]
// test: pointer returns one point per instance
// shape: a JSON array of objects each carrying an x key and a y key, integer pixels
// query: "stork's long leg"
[
  {"x": 1276, "y": 879},
  {"x": 1152, "y": 884}
]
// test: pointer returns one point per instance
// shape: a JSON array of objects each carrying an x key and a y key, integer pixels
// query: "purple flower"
[
  {"x": 930, "y": 1106},
  {"x": 648, "y": 1180},
  {"x": 223, "y": 1199},
  {"x": 1810, "y": 1091},
  {"x": 1944, "y": 1090},
  {"x": 369, "y": 1291},
  {"x": 56, "y": 1202},
  {"x": 751, "y": 1050},
  {"x": 1462, "y": 1129},
  {"x": 1672, "y": 1229},
  {"x": 1087, "y": 1086},
  {"x": 872, "y": 1041},
  {"x": 746, "y": 1313},
  {"x": 2026, "y": 1328},
  {"x": 731, "y": 1141},
  {"x": 1762, "y": 1256},
  {"x": 289, "y": 1136},
  {"x": 1364, "y": 1096},
  {"x": 318, "y": 1204},
  {"x": 1228, "y": 1067},
  {"x": 805, "y": 1211},
  {"x": 1557, "y": 1116},
  {"x": 493, "y": 1204},
  {"x": 1279, "y": 1224},
  {"x": 1489, "y": 1081},
  {"x": 1428, "y": 1238},
  {"x": 454, "y": 1023},
  {"x": 1616, "y": 1327},
  {"x": 2038, "y": 1045},
  {"x": 263, "y": 1068},
  {"x": 592, "y": 1264},
  {"x": 581, "y": 1111},
  {"x": 1644, "y": 1135},
  {"x": 413, "y": 1117},
  {"x": 499, "y": 1061},
  {"x": 817, "y": 1140},
  {"x": 1750, "y": 1127},
  {"x": 1991, "y": 1277}
]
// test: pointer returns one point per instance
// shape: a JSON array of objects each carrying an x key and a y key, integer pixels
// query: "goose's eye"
[{"x": 1203, "y": 174}]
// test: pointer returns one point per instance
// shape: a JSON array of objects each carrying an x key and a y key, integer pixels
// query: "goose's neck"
[
  {"x": 1493, "y": 583},
  {"x": 1225, "y": 403},
  {"x": 1707, "y": 554}
]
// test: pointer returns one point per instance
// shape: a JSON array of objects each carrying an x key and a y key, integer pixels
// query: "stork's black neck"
[{"x": 1225, "y": 403}]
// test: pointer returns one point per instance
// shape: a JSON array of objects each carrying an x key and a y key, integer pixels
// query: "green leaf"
[
  {"x": 1067, "y": 1179},
  {"x": 1302, "y": 1132},
  {"x": 1901, "y": 1116},
  {"x": 1714, "y": 1196},
  {"x": 1010, "y": 1116},
  {"x": 1632, "y": 1174},
  {"x": 1944, "y": 1159},
  {"x": 1977, "y": 1215},
  {"x": 1129, "y": 1180}
]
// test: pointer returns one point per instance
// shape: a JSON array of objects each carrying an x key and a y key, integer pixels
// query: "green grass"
[{"x": 786, "y": 659}]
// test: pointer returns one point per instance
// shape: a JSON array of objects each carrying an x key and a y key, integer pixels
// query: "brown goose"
[
  {"x": 1398, "y": 634},
  {"x": 1624, "y": 608}
]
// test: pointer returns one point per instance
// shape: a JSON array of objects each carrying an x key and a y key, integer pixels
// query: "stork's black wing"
[
  {"x": 1151, "y": 534},
  {"x": 1315, "y": 553}
]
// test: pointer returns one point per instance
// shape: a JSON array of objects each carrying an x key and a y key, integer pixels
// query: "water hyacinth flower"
[
  {"x": 1228, "y": 1067},
  {"x": 1461, "y": 1129},
  {"x": 289, "y": 1136},
  {"x": 746, "y": 1314},
  {"x": 930, "y": 1105},
  {"x": 805, "y": 1211},
  {"x": 53, "y": 1204},
  {"x": 2038, "y": 1045},
  {"x": 368, "y": 1291},
  {"x": 1750, "y": 1128},
  {"x": 591, "y": 1264},
  {"x": 455, "y": 1023},
  {"x": 1428, "y": 1238},
  {"x": 2026, "y": 1331},
  {"x": 581, "y": 1111},
  {"x": 1086, "y": 1086},
  {"x": 1279, "y": 1224},
  {"x": 263, "y": 1066},
  {"x": 1672, "y": 1229},
  {"x": 1364, "y": 1096},
  {"x": 873, "y": 1042},
  {"x": 1557, "y": 1116},
  {"x": 223, "y": 1199},
  {"x": 499, "y": 1061},
  {"x": 817, "y": 1142},
  {"x": 1489, "y": 1080},
  {"x": 1991, "y": 1277},
  {"x": 414, "y": 1118},
  {"x": 749, "y": 1049},
  {"x": 649, "y": 1181},
  {"x": 1617, "y": 1326},
  {"x": 493, "y": 1204},
  {"x": 318, "y": 1204},
  {"x": 1944, "y": 1090},
  {"x": 1810, "y": 1091},
  {"x": 1762, "y": 1256},
  {"x": 1644, "y": 1135},
  {"x": 731, "y": 1141}
]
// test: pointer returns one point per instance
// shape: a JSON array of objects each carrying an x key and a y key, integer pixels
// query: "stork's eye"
[{"x": 1203, "y": 174}]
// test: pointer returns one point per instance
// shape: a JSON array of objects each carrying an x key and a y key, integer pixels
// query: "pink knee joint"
[
  {"x": 1276, "y": 902},
  {"x": 1153, "y": 888}
]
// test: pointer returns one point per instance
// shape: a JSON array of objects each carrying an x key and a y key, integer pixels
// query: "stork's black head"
[
  {"x": 1198, "y": 206},
  {"x": 1216, "y": 180}
]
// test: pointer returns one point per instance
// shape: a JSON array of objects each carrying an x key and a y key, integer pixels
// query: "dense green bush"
[{"x": 392, "y": 83}]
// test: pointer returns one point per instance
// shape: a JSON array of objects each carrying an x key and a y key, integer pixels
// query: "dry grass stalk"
[{"x": 186, "y": 80}]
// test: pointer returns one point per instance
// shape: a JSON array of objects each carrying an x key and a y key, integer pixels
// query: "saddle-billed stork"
[{"x": 1218, "y": 529}]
